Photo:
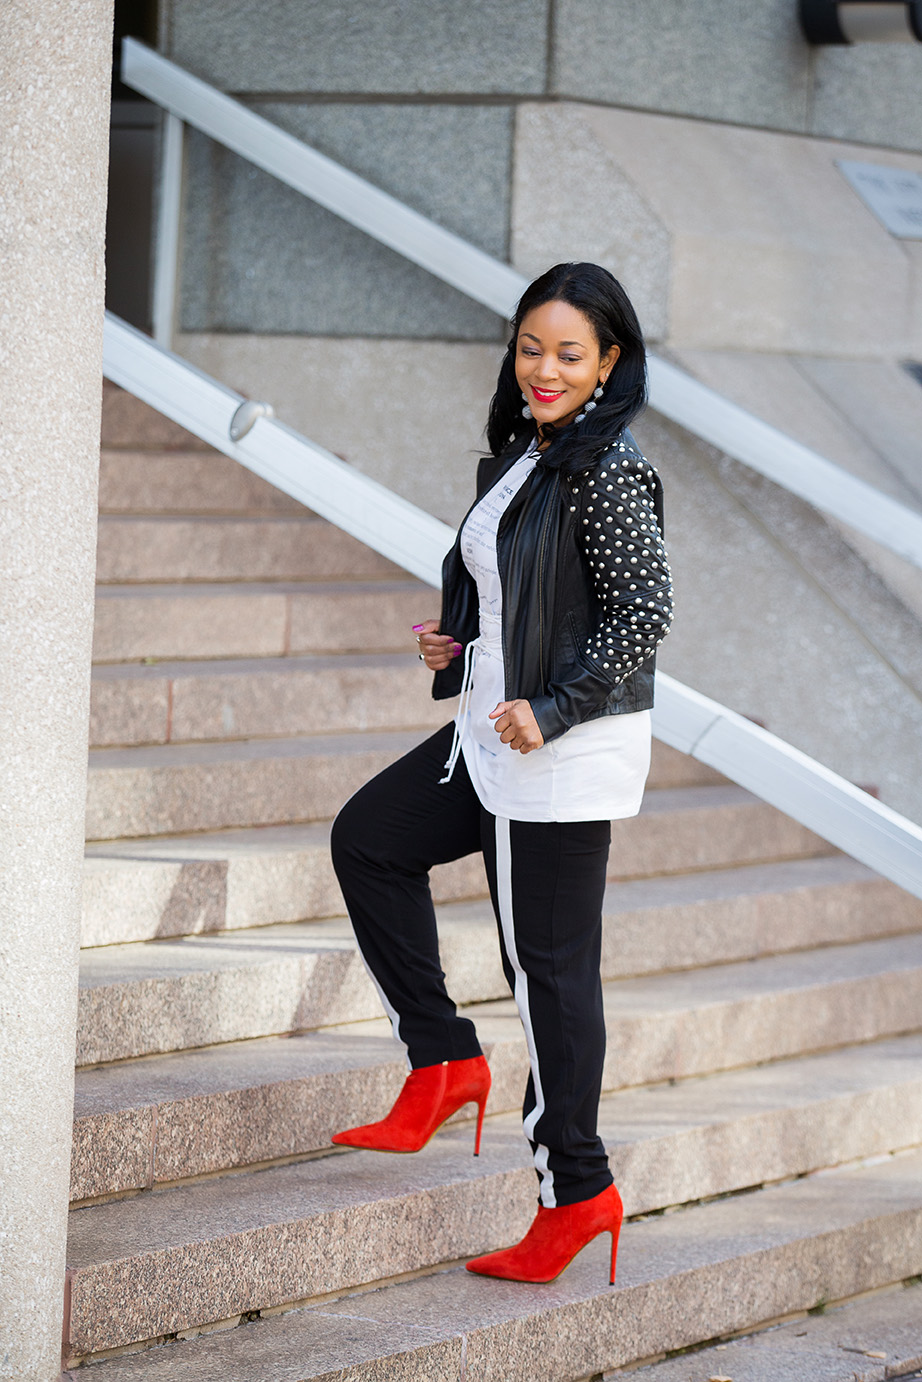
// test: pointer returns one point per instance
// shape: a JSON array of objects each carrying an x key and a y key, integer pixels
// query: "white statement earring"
[
  {"x": 591, "y": 404},
  {"x": 526, "y": 411}
]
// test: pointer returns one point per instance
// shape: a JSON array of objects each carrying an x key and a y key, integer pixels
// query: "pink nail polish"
[
  {"x": 417, "y": 628},
  {"x": 456, "y": 649}
]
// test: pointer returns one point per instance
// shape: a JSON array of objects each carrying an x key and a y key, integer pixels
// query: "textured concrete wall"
[
  {"x": 720, "y": 59},
  {"x": 869, "y": 93},
  {"x": 747, "y": 64},
  {"x": 55, "y": 59},
  {"x": 424, "y": 97},
  {"x": 398, "y": 46},
  {"x": 744, "y": 64},
  {"x": 728, "y": 238},
  {"x": 260, "y": 257}
]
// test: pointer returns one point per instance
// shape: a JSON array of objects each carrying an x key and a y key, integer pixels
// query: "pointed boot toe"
[
  {"x": 430, "y": 1095},
  {"x": 554, "y": 1239}
]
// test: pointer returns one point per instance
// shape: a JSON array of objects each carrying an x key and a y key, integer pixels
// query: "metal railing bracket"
[{"x": 246, "y": 415}]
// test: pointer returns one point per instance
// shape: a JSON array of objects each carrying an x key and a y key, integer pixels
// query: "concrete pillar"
[{"x": 55, "y": 59}]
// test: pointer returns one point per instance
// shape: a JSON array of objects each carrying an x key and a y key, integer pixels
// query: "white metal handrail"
[
  {"x": 312, "y": 475},
  {"x": 842, "y": 814},
  {"x": 673, "y": 392}
]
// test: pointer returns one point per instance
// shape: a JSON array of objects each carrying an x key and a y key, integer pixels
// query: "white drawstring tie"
[{"x": 466, "y": 684}]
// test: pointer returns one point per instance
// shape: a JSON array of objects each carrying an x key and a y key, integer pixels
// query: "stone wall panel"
[
  {"x": 259, "y": 256},
  {"x": 716, "y": 59},
  {"x": 391, "y": 46}
]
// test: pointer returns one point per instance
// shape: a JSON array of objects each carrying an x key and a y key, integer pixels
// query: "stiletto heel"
[
  {"x": 554, "y": 1239},
  {"x": 430, "y": 1095},
  {"x": 614, "y": 1253},
  {"x": 481, "y": 1110}
]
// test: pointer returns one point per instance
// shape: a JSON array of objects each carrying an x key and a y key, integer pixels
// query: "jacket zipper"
[{"x": 542, "y": 556}]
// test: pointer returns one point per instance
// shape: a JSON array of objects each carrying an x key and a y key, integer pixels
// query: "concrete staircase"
[{"x": 764, "y": 1000}]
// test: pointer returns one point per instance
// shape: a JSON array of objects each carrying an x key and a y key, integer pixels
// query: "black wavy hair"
[{"x": 596, "y": 293}]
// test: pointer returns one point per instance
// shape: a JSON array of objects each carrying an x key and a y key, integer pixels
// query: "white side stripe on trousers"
[{"x": 504, "y": 899}]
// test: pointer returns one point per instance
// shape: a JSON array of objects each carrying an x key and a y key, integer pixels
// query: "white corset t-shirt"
[{"x": 594, "y": 771}]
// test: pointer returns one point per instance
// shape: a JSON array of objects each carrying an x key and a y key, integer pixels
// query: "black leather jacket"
[{"x": 587, "y": 594}]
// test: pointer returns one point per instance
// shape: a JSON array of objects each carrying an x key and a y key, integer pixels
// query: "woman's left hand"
[{"x": 516, "y": 725}]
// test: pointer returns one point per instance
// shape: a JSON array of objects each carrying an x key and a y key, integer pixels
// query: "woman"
[{"x": 555, "y": 596}]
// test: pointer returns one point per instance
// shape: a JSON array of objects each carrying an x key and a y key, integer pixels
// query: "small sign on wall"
[{"x": 893, "y": 194}]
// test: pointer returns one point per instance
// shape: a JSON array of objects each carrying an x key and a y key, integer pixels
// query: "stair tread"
[
  {"x": 133, "y": 480},
  {"x": 236, "y": 1066},
  {"x": 279, "y": 839},
  {"x": 829, "y": 966},
  {"x": 815, "y": 1238},
  {"x": 250, "y": 666},
  {"x": 289, "y": 746},
  {"x": 210, "y": 1208},
  {"x": 262, "y": 1061},
  {"x": 141, "y": 999},
  {"x": 210, "y": 844},
  {"x": 220, "y": 844},
  {"x": 239, "y": 699},
  {"x": 880, "y": 1336},
  {"x": 270, "y": 613},
  {"x": 244, "y": 750},
  {"x": 736, "y": 882},
  {"x": 245, "y": 949},
  {"x": 146, "y": 547},
  {"x": 253, "y": 945},
  {"x": 189, "y": 1089},
  {"x": 175, "y": 788},
  {"x": 213, "y": 882},
  {"x": 157, "y": 590},
  {"x": 304, "y": 517}
]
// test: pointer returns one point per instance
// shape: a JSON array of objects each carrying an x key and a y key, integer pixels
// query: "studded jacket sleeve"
[{"x": 615, "y": 508}]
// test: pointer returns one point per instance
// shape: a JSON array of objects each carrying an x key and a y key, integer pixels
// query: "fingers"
[
  {"x": 437, "y": 662},
  {"x": 437, "y": 650},
  {"x": 516, "y": 726}
]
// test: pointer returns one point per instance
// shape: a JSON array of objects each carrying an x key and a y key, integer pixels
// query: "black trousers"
[{"x": 546, "y": 883}]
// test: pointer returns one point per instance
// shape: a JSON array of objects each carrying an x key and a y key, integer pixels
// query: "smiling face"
[{"x": 557, "y": 362}]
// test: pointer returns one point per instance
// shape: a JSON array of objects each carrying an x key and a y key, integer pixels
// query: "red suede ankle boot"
[
  {"x": 430, "y": 1095},
  {"x": 554, "y": 1239}
]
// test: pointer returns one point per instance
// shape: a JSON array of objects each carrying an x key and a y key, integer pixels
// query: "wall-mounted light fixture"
[{"x": 874, "y": 21}]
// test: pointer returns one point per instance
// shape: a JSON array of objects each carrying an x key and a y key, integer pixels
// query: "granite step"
[
  {"x": 185, "y": 481},
  {"x": 866, "y": 1340},
  {"x": 174, "y": 995},
  {"x": 175, "y": 788},
  {"x": 795, "y": 1245},
  {"x": 128, "y": 422},
  {"x": 246, "y": 698},
  {"x": 178, "y": 788},
  {"x": 232, "y": 1239},
  {"x": 141, "y": 1124},
  {"x": 206, "y": 548},
  {"x": 161, "y": 886},
  {"x": 257, "y": 619}
]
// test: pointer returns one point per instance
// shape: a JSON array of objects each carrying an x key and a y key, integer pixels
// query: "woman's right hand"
[{"x": 437, "y": 650}]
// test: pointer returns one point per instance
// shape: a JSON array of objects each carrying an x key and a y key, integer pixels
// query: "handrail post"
[{"x": 167, "y": 244}]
